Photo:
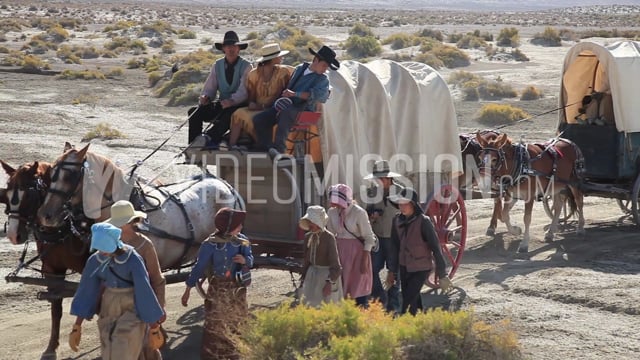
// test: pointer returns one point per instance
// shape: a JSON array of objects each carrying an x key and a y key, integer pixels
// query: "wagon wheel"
[
  {"x": 447, "y": 211},
  {"x": 625, "y": 205},
  {"x": 635, "y": 206},
  {"x": 566, "y": 212}
]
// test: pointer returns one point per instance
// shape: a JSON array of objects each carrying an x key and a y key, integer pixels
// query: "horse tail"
[
  {"x": 579, "y": 168},
  {"x": 571, "y": 200}
]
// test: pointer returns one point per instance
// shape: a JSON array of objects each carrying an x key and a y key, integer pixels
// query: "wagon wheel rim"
[
  {"x": 635, "y": 205},
  {"x": 565, "y": 213},
  {"x": 449, "y": 216},
  {"x": 625, "y": 205}
]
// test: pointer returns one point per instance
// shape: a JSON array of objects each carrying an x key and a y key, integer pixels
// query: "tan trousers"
[
  {"x": 224, "y": 317},
  {"x": 121, "y": 331}
]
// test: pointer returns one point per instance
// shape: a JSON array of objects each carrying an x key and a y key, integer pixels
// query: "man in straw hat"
[
  {"x": 308, "y": 87},
  {"x": 381, "y": 213},
  {"x": 127, "y": 306},
  {"x": 416, "y": 243},
  {"x": 125, "y": 217},
  {"x": 226, "y": 307},
  {"x": 227, "y": 79},
  {"x": 321, "y": 271},
  {"x": 264, "y": 85}
]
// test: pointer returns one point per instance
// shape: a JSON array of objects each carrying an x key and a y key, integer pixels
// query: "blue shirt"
[
  {"x": 100, "y": 270},
  {"x": 317, "y": 85},
  {"x": 219, "y": 257}
]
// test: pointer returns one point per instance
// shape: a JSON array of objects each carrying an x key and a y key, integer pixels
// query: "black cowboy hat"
[
  {"x": 326, "y": 54},
  {"x": 231, "y": 38},
  {"x": 406, "y": 195}
]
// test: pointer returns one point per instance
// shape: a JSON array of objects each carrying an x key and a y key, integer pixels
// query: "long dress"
[
  {"x": 321, "y": 262},
  {"x": 263, "y": 93}
]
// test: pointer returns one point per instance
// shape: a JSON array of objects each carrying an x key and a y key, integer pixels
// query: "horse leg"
[
  {"x": 558, "y": 202},
  {"x": 56, "y": 316},
  {"x": 578, "y": 197},
  {"x": 508, "y": 204},
  {"x": 524, "y": 244},
  {"x": 497, "y": 211}
]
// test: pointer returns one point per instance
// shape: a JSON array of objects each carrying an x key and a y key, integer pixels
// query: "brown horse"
[
  {"x": 59, "y": 249},
  {"x": 527, "y": 171},
  {"x": 471, "y": 150}
]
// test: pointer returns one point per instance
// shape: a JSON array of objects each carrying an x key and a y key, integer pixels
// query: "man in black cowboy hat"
[
  {"x": 381, "y": 214},
  {"x": 416, "y": 242},
  {"x": 309, "y": 86},
  {"x": 227, "y": 79}
]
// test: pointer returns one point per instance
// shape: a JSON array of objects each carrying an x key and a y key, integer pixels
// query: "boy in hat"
[
  {"x": 128, "y": 304},
  {"x": 321, "y": 270},
  {"x": 125, "y": 217},
  {"x": 381, "y": 213},
  {"x": 219, "y": 257},
  {"x": 416, "y": 243},
  {"x": 264, "y": 85},
  {"x": 309, "y": 86},
  {"x": 227, "y": 79}
]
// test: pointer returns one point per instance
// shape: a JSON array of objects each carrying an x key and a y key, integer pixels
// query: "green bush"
[
  {"x": 470, "y": 41},
  {"x": 461, "y": 77},
  {"x": 486, "y": 36},
  {"x": 185, "y": 76},
  {"x": 359, "y": 47},
  {"x": 186, "y": 34},
  {"x": 253, "y": 35},
  {"x": 531, "y": 93},
  {"x": 33, "y": 63},
  {"x": 185, "y": 95},
  {"x": 549, "y": 37},
  {"x": 120, "y": 25},
  {"x": 451, "y": 57},
  {"x": 362, "y": 30},
  {"x": 498, "y": 114},
  {"x": 429, "y": 59},
  {"x": 430, "y": 33},
  {"x": 154, "y": 77},
  {"x": 496, "y": 90},
  {"x": 398, "y": 41},
  {"x": 454, "y": 38},
  {"x": 158, "y": 28},
  {"x": 519, "y": 55},
  {"x": 83, "y": 74},
  {"x": 103, "y": 131},
  {"x": 508, "y": 37},
  {"x": 342, "y": 331}
]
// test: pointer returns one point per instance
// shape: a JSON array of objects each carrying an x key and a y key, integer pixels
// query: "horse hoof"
[
  {"x": 523, "y": 250},
  {"x": 491, "y": 232},
  {"x": 515, "y": 230},
  {"x": 48, "y": 356}
]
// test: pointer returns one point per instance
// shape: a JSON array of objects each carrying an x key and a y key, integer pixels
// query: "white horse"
[{"x": 179, "y": 216}]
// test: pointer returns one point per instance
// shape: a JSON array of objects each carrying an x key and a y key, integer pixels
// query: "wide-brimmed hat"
[
  {"x": 325, "y": 53},
  {"x": 341, "y": 194},
  {"x": 405, "y": 196},
  {"x": 271, "y": 51},
  {"x": 381, "y": 170},
  {"x": 105, "y": 237},
  {"x": 316, "y": 215},
  {"x": 231, "y": 38},
  {"x": 122, "y": 212},
  {"x": 228, "y": 219}
]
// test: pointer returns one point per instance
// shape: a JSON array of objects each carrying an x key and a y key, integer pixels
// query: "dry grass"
[{"x": 103, "y": 131}]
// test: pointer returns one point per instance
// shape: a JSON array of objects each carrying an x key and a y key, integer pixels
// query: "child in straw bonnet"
[{"x": 321, "y": 272}]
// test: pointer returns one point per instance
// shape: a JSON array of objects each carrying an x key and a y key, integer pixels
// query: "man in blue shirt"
[{"x": 309, "y": 85}]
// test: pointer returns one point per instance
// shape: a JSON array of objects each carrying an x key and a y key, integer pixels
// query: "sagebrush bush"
[
  {"x": 498, "y": 114},
  {"x": 359, "y": 47},
  {"x": 531, "y": 93},
  {"x": 103, "y": 131},
  {"x": 471, "y": 41},
  {"x": 460, "y": 77},
  {"x": 430, "y": 33},
  {"x": 34, "y": 63},
  {"x": 508, "y": 37},
  {"x": 343, "y": 331},
  {"x": 361, "y": 29},
  {"x": 398, "y": 41},
  {"x": 549, "y": 37},
  {"x": 495, "y": 90},
  {"x": 451, "y": 56},
  {"x": 186, "y": 34},
  {"x": 82, "y": 74}
]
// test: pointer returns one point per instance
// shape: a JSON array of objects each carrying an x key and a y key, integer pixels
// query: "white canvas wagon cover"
[
  {"x": 392, "y": 111},
  {"x": 613, "y": 70}
]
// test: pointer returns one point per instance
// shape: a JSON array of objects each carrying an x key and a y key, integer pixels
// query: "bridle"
[
  {"x": 76, "y": 176},
  {"x": 34, "y": 193}
]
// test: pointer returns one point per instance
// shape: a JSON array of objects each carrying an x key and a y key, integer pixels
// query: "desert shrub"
[
  {"x": 70, "y": 23},
  {"x": 605, "y": 33},
  {"x": 497, "y": 114},
  {"x": 168, "y": 47},
  {"x": 494, "y": 90},
  {"x": 12, "y": 24},
  {"x": 253, "y": 35},
  {"x": 485, "y": 35},
  {"x": 185, "y": 76},
  {"x": 430, "y": 33},
  {"x": 461, "y": 77},
  {"x": 206, "y": 41},
  {"x": 470, "y": 41},
  {"x": 508, "y": 37},
  {"x": 66, "y": 54},
  {"x": 549, "y": 37},
  {"x": 33, "y": 63},
  {"x": 120, "y": 25},
  {"x": 4, "y": 50},
  {"x": 158, "y": 28},
  {"x": 531, "y": 93},
  {"x": 85, "y": 99},
  {"x": 470, "y": 92},
  {"x": 103, "y": 131},
  {"x": 519, "y": 55},
  {"x": 568, "y": 35},
  {"x": 154, "y": 77},
  {"x": 342, "y": 331},
  {"x": 184, "y": 95},
  {"x": 186, "y": 34},
  {"x": 120, "y": 44},
  {"x": 451, "y": 57},
  {"x": 359, "y": 47},
  {"x": 362, "y": 30},
  {"x": 454, "y": 37},
  {"x": 295, "y": 40},
  {"x": 200, "y": 59},
  {"x": 108, "y": 54},
  {"x": 429, "y": 59},
  {"x": 115, "y": 72},
  {"x": 398, "y": 41},
  {"x": 85, "y": 74}
]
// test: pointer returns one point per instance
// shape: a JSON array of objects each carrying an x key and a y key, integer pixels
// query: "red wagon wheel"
[{"x": 446, "y": 209}]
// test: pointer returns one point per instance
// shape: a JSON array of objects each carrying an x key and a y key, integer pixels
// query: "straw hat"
[
  {"x": 316, "y": 215},
  {"x": 381, "y": 170},
  {"x": 122, "y": 212},
  {"x": 271, "y": 51},
  {"x": 105, "y": 237}
]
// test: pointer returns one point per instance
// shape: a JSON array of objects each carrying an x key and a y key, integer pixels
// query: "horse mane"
[{"x": 104, "y": 181}]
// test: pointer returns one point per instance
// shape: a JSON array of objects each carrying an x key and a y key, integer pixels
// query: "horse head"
[
  {"x": 493, "y": 158},
  {"x": 65, "y": 191},
  {"x": 26, "y": 189}
]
